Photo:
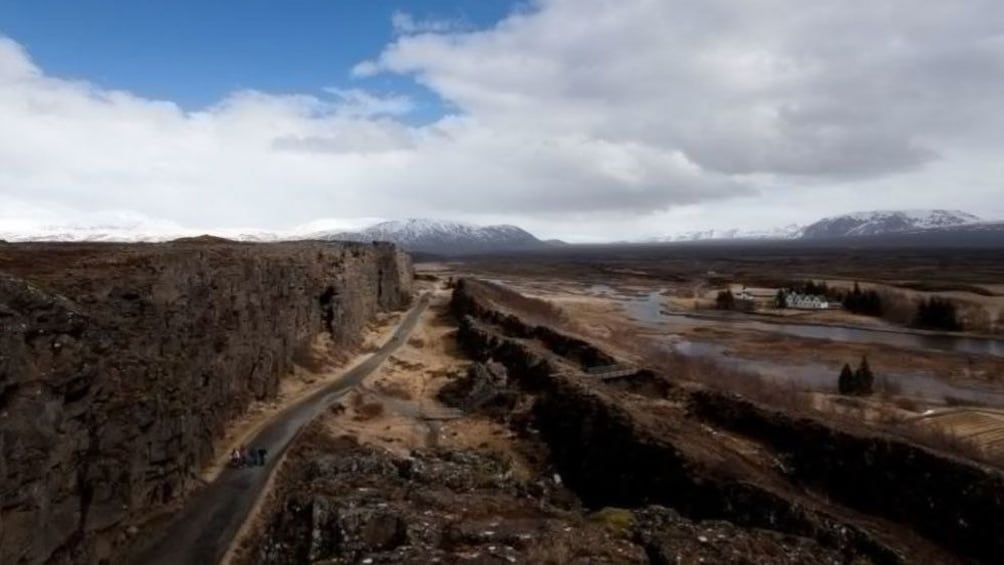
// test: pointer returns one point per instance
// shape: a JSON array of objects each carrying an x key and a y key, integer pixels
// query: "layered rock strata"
[
  {"x": 120, "y": 365},
  {"x": 711, "y": 455}
]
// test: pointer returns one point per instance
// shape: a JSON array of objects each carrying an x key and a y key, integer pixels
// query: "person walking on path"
[{"x": 261, "y": 456}]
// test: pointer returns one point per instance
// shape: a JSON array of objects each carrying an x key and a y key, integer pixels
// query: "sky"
[{"x": 586, "y": 120}]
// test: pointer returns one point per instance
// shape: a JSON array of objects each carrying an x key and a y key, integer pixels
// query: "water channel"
[{"x": 648, "y": 309}]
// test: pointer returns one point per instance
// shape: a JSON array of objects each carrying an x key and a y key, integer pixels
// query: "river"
[{"x": 649, "y": 310}]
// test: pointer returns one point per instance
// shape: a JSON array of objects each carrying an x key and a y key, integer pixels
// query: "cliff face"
[
  {"x": 953, "y": 501},
  {"x": 120, "y": 365},
  {"x": 885, "y": 498}
]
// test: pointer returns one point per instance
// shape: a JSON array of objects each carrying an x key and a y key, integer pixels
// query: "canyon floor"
[
  {"x": 486, "y": 439},
  {"x": 201, "y": 532}
]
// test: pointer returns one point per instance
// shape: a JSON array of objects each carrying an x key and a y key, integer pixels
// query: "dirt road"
[{"x": 203, "y": 530}]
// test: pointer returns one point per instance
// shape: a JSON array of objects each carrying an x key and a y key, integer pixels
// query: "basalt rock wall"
[
  {"x": 615, "y": 450},
  {"x": 467, "y": 301},
  {"x": 611, "y": 454},
  {"x": 956, "y": 502},
  {"x": 120, "y": 365}
]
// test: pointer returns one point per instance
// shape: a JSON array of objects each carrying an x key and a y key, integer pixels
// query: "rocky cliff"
[
  {"x": 121, "y": 364},
  {"x": 956, "y": 502},
  {"x": 713, "y": 455}
]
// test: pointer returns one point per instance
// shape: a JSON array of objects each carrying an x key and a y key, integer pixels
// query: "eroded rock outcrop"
[
  {"x": 484, "y": 388},
  {"x": 865, "y": 495},
  {"x": 612, "y": 454},
  {"x": 958, "y": 503},
  {"x": 339, "y": 502},
  {"x": 121, "y": 364},
  {"x": 469, "y": 300}
]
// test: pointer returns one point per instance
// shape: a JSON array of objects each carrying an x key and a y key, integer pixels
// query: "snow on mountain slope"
[
  {"x": 439, "y": 236},
  {"x": 453, "y": 238},
  {"x": 128, "y": 234},
  {"x": 877, "y": 222},
  {"x": 431, "y": 236},
  {"x": 881, "y": 222},
  {"x": 127, "y": 227},
  {"x": 786, "y": 232}
]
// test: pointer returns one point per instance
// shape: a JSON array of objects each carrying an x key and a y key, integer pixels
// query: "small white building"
[
  {"x": 753, "y": 294},
  {"x": 799, "y": 301}
]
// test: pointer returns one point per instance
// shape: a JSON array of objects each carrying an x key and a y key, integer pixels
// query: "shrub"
[
  {"x": 618, "y": 520},
  {"x": 725, "y": 300}
]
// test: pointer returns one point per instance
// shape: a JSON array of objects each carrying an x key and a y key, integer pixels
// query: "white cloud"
[
  {"x": 604, "y": 118},
  {"x": 359, "y": 103},
  {"x": 404, "y": 23}
]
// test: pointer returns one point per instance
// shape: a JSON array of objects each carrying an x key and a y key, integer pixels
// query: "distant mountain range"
[
  {"x": 858, "y": 224},
  {"x": 886, "y": 222},
  {"x": 438, "y": 237},
  {"x": 442, "y": 237},
  {"x": 787, "y": 232}
]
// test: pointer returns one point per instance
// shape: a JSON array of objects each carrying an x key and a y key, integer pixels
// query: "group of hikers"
[{"x": 244, "y": 457}]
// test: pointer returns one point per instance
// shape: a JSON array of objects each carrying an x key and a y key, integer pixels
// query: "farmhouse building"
[{"x": 805, "y": 301}]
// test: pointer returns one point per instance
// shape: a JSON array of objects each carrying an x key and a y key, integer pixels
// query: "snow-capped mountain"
[
  {"x": 457, "y": 238},
  {"x": 786, "y": 232},
  {"x": 430, "y": 236},
  {"x": 441, "y": 237},
  {"x": 874, "y": 223},
  {"x": 882, "y": 222}
]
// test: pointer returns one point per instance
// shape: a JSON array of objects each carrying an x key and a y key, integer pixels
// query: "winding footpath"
[{"x": 202, "y": 532}]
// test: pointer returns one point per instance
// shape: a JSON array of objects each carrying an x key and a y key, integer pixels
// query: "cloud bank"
[{"x": 626, "y": 113}]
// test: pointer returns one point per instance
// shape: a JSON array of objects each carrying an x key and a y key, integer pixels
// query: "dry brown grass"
[
  {"x": 534, "y": 310},
  {"x": 941, "y": 439},
  {"x": 656, "y": 356},
  {"x": 785, "y": 396}
]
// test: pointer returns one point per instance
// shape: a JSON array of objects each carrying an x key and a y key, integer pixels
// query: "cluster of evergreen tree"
[
  {"x": 868, "y": 302},
  {"x": 725, "y": 300},
  {"x": 859, "y": 382},
  {"x": 813, "y": 288},
  {"x": 937, "y": 314},
  {"x": 781, "y": 299}
]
